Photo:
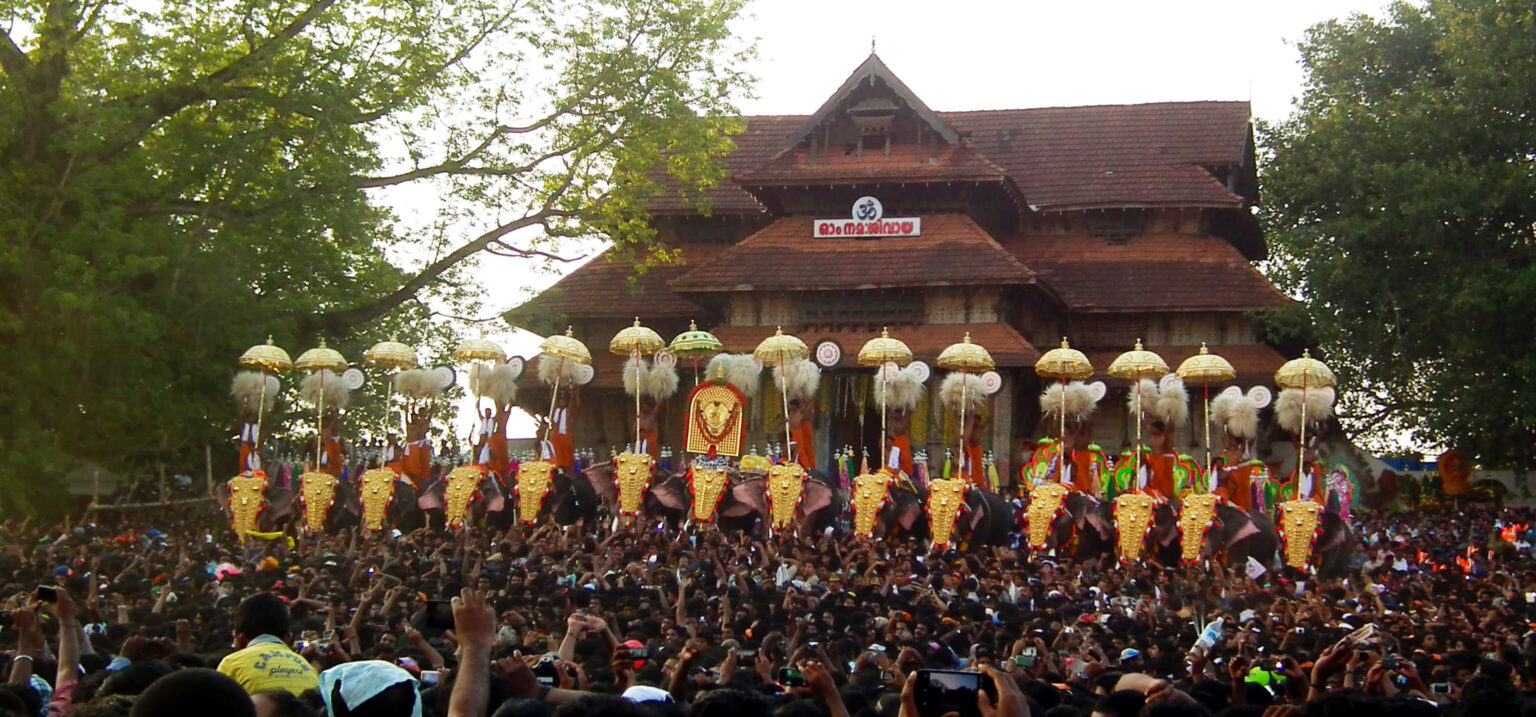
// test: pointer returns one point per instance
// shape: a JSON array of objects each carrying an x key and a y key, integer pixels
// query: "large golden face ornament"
[
  {"x": 376, "y": 490},
  {"x": 786, "y": 484},
  {"x": 247, "y": 497},
  {"x": 631, "y": 474},
  {"x": 870, "y": 492},
  {"x": 946, "y": 496},
  {"x": 533, "y": 480},
  {"x": 1133, "y": 520},
  {"x": 708, "y": 487},
  {"x": 463, "y": 485},
  {"x": 714, "y": 420},
  {"x": 1299, "y": 520},
  {"x": 1045, "y": 502},
  {"x": 1195, "y": 518},
  {"x": 317, "y": 491}
]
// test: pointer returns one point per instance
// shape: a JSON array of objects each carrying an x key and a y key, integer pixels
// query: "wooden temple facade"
[{"x": 1103, "y": 224}]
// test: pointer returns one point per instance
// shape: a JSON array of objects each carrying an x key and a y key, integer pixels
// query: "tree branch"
[
  {"x": 520, "y": 253},
  {"x": 337, "y": 321}
]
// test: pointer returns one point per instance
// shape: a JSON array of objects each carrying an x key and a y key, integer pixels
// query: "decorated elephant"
[
  {"x": 981, "y": 517},
  {"x": 467, "y": 496},
  {"x": 1211, "y": 528}
]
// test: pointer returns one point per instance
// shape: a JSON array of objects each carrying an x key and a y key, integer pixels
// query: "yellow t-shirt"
[{"x": 267, "y": 664}]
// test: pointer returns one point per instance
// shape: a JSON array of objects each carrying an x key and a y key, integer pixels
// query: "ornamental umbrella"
[
  {"x": 391, "y": 356},
  {"x": 320, "y": 360},
  {"x": 1134, "y": 365},
  {"x": 636, "y": 341},
  {"x": 781, "y": 349},
  {"x": 695, "y": 345},
  {"x": 1207, "y": 368},
  {"x": 880, "y": 351},
  {"x": 266, "y": 358},
  {"x": 965, "y": 357},
  {"x": 1066, "y": 363},
  {"x": 1303, "y": 373}
]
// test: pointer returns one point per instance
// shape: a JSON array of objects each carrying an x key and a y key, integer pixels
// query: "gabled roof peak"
[{"x": 870, "y": 70}]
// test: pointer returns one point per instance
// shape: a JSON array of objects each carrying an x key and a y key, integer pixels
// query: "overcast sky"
[{"x": 1002, "y": 54}]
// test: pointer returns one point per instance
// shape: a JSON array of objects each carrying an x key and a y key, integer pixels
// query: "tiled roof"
[
  {"x": 1062, "y": 157},
  {"x": 907, "y": 163},
  {"x": 1114, "y": 155},
  {"x": 783, "y": 256},
  {"x": 1156, "y": 273},
  {"x": 1255, "y": 364},
  {"x": 601, "y": 288},
  {"x": 1007, "y": 346}
]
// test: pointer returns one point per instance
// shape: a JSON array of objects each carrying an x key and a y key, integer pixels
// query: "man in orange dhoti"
[
  {"x": 1236, "y": 476},
  {"x": 902, "y": 392},
  {"x": 800, "y": 381},
  {"x": 1086, "y": 467}
]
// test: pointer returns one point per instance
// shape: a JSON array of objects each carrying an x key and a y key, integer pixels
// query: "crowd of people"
[{"x": 162, "y": 612}]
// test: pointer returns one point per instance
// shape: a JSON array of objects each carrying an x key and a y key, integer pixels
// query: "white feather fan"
[
  {"x": 975, "y": 395},
  {"x": 419, "y": 383},
  {"x": 903, "y": 388},
  {"x": 551, "y": 365},
  {"x": 336, "y": 393},
  {"x": 1237, "y": 414},
  {"x": 1288, "y": 408},
  {"x": 247, "y": 389},
  {"x": 1146, "y": 398},
  {"x": 739, "y": 370},
  {"x": 1080, "y": 403},
  {"x": 800, "y": 379},
  {"x": 656, "y": 380},
  {"x": 498, "y": 383},
  {"x": 1172, "y": 403}
]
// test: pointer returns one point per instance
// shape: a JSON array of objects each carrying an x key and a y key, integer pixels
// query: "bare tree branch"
[
  {"x": 510, "y": 251},
  {"x": 166, "y": 101},
  {"x": 335, "y": 321}
]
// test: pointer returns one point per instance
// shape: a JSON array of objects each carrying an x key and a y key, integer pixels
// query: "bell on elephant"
[
  {"x": 317, "y": 493},
  {"x": 786, "y": 485},
  {"x": 1046, "y": 501},
  {"x": 871, "y": 491},
  {"x": 946, "y": 498},
  {"x": 1299, "y": 523},
  {"x": 1196, "y": 516},
  {"x": 463, "y": 487},
  {"x": 1133, "y": 521},
  {"x": 247, "y": 498},
  {"x": 376, "y": 490},
  {"x": 533, "y": 480}
]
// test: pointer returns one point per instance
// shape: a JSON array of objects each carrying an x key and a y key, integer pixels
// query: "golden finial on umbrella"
[
  {"x": 390, "y": 355},
  {"x": 1207, "y": 368},
  {"x": 567, "y": 348},
  {"x": 781, "y": 349},
  {"x": 266, "y": 357},
  {"x": 1067, "y": 364},
  {"x": 880, "y": 351},
  {"x": 1136, "y": 364}
]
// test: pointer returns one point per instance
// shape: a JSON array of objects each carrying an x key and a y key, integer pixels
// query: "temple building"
[{"x": 1103, "y": 224}]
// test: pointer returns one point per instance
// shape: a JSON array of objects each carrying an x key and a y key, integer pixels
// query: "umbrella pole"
[
  {"x": 1136, "y": 461},
  {"x": 1208, "y": 467},
  {"x": 1301, "y": 448},
  {"x": 319, "y": 420},
  {"x": 636, "y": 356},
  {"x": 554, "y": 392},
  {"x": 261, "y": 409},
  {"x": 883, "y": 408},
  {"x": 960, "y": 430},
  {"x": 784, "y": 394}
]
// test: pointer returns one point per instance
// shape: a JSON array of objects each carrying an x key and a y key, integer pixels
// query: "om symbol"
[{"x": 866, "y": 209}]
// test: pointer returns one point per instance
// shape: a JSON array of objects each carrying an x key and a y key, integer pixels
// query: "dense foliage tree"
[
  {"x": 1401, "y": 199},
  {"x": 180, "y": 178}
]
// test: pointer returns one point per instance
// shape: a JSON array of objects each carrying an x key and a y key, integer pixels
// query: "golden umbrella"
[
  {"x": 1134, "y": 365},
  {"x": 1207, "y": 368},
  {"x": 266, "y": 358},
  {"x": 694, "y": 344},
  {"x": 781, "y": 349},
  {"x": 965, "y": 357},
  {"x": 471, "y": 351},
  {"x": 634, "y": 342},
  {"x": 880, "y": 351},
  {"x": 320, "y": 359},
  {"x": 390, "y": 355},
  {"x": 1068, "y": 364},
  {"x": 565, "y": 348},
  {"x": 1303, "y": 373}
]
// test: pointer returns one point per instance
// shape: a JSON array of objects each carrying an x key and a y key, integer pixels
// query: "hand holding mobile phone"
[{"x": 47, "y": 593}]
